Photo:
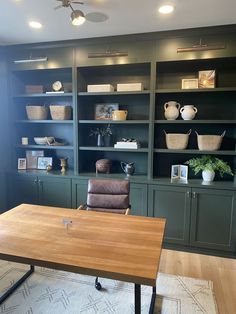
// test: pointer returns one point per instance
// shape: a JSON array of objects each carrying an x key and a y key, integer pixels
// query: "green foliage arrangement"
[
  {"x": 209, "y": 163},
  {"x": 101, "y": 131}
]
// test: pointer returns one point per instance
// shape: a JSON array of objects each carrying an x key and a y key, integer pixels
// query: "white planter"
[{"x": 208, "y": 175}]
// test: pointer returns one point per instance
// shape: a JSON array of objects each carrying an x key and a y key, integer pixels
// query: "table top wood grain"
[{"x": 120, "y": 247}]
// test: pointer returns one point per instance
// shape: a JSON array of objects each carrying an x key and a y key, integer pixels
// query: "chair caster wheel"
[{"x": 98, "y": 286}]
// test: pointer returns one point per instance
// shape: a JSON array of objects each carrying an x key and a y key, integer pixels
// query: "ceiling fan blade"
[{"x": 96, "y": 17}]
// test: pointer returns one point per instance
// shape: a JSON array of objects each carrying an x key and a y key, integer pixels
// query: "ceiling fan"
[{"x": 77, "y": 16}]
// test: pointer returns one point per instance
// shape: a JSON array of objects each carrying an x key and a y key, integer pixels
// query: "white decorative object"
[
  {"x": 131, "y": 87},
  {"x": 208, "y": 175},
  {"x": 171, "y": 110},
  {"x": 189, "y": 83},
  {"x": 188, "y": 112},
  {"x": 100, "y": 88}
]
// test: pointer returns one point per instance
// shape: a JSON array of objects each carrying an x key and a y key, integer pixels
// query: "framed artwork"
[
  {"x": 21, "y": 164},
  {"x": 32, "y": 158},
  {"x": 189, "y": 83},
  {"x": 179, "y": 173},
  {"x": 43, "y": 162},
  {"x": 206, "y": 79},
  {"x": 104, "y": 111}
]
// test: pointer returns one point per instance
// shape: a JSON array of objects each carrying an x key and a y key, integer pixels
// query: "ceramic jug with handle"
[
  {"x": 119, "y": 114},
  {"x": 188, "y": 112},
  {"x": 171, "y": 110},
  {"x": 128, "y": 168}
]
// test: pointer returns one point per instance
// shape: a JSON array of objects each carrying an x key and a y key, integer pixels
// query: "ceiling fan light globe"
[{"x": 77, "y": 17}]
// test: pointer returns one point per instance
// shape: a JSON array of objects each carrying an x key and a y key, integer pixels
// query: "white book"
[
  {"x": 59, "y": 92},
  {"x": 125, "y": 147}
]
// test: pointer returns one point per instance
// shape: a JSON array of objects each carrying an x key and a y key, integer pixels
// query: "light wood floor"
[{"x": 222, "y": 271}]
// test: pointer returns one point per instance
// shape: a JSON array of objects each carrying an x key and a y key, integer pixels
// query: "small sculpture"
[
  {"x": 128, "y": 168},
  {"x": 63, "y": 165}
]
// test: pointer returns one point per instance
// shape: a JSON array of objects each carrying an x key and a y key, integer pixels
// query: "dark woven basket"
[{"x": 103, "y": 165}]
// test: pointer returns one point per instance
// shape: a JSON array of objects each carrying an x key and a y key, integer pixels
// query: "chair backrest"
[{"x": 108, "y": 195}]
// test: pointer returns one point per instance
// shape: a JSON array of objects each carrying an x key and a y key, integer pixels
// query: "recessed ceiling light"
[
  {"x": 35, "y": 24},
  {"x": 166, "y": 9}
]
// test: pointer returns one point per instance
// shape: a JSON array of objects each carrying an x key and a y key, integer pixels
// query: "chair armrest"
[{"x": 82, "y": 207}]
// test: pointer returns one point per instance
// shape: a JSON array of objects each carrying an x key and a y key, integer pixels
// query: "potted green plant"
[
  {"x": 103, "y": 135},
  {"x": 209, "y": 165}
]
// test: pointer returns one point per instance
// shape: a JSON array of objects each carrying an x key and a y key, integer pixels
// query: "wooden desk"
[{"x": 120, "y": 247}]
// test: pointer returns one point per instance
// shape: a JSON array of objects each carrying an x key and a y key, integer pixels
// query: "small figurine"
[{"x": 63, "y": 165}]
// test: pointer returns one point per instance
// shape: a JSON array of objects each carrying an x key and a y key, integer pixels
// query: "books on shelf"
[{"x": 128, "y": 145}]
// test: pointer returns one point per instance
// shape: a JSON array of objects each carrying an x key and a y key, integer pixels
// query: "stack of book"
[{"x": 128, "y": 145}]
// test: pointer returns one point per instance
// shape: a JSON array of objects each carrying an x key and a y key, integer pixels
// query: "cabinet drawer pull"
[
  {"x": 188, "y": 194},
  {"x": 194, "y": 194},
  {"x": 35, "y": 181}
]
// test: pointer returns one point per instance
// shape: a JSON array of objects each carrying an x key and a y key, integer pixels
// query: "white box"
[
  {"x": 131, "y": 87},
  {"x": 100, "y": 88}
]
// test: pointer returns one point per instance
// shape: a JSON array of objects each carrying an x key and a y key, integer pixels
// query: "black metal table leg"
[
  {"x": 16, "y": 285},
  {"x": 137, "y": 299},
  {"x": 153, "y": 299}
]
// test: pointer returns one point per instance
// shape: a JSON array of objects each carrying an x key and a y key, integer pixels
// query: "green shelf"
[
  {"x": 195, "y": 151},
  {"x": 144, "y": 92},
  {"x": 45, "y": 121},
  {"x": 114, "y": 122},
  {"x": 43, "y": 95},
  {"x": 195, "y": 121},
  {"x": 112, "y": 149},
  {"x": 195, "y": 90},
  {"x": 64, "y": 147}
]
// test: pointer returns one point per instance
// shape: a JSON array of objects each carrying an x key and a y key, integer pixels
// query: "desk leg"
[
  {"x": 153, "y": 299},
  {"x": 16, "y": 285},
  {"x": 137, "y": 299}
]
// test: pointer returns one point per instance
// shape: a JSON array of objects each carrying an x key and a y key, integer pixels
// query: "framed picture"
[
  {"x": 189, "y": 83},
  {"x": 104, "y": 111},
  {"x": 179, "y": 173},
  {"x": 21, "y": 164},
  {"x": 206, "y": 79},
  {"x": 32, "y": 158},
  {"x": 43, "y": 162}
]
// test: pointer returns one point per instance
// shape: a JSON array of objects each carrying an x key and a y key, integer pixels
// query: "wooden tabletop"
[{"x": 114, "y": 246}]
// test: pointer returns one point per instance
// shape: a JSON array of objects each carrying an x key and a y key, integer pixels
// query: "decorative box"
[
  {"x": 131, "y": 87},
  {"x": 100, "y": 88}
]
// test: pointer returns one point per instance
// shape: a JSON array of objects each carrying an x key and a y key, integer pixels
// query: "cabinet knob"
[
  {"x": 188, "y": 194},
  {"x": 194, "y": 194},
  {"x": 35, "y": 181},
  {"x": 39, "y": 182}
]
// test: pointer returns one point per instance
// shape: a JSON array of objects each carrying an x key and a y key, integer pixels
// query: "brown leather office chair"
[{"x": 109, "y": 196}]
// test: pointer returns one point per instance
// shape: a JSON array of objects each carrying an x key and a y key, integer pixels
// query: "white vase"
[
  {"x": 188, "y": 112},
  {"x": 208, "y": 175},
  {"x": 171, "y": 110}
]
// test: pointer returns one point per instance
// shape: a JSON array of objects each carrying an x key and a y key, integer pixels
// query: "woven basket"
[
  {"x": 177, "y": 140},
  {"x": 209, "y": 142},
  {"x": 60, "y": 112},
  {"x": 37, "y": 112}
]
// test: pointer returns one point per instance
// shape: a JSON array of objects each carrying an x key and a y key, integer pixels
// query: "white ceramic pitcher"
[
  {"x": 188, "y": 112},
  {"x": 171, "y": 110}
]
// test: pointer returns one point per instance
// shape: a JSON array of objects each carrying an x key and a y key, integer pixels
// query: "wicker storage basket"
[
  {"x": 60, "y": 112},
  {"x": 37, "y": 112},
  {"x": 177, "y": 140},
  {"x": 209, "y": 142}
]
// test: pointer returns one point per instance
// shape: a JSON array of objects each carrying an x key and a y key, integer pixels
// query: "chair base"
[{"x": 98, "y": 286}]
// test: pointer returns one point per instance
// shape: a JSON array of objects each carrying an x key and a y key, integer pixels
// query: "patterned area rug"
[{"x": 56, "y": 292}]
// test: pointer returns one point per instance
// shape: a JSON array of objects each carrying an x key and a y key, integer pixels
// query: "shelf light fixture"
[
  {"x": 31, "y": 60},
  {"x": 201, "y": 47},
  {"x": 108, "y": 53}
]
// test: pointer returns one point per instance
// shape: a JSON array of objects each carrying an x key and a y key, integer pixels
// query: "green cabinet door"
[
  {"x": 54, "y": 191},
  {"x": 213, "y": 219},
  {"x": 138, "y": 199},
  {"x": 22, "y": 189},
  {"x": 172, "y": 203},
  {"x": 79, "y": 192}
]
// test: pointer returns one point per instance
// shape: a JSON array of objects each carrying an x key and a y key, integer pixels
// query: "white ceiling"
[{"x": 125, "y": 17}]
